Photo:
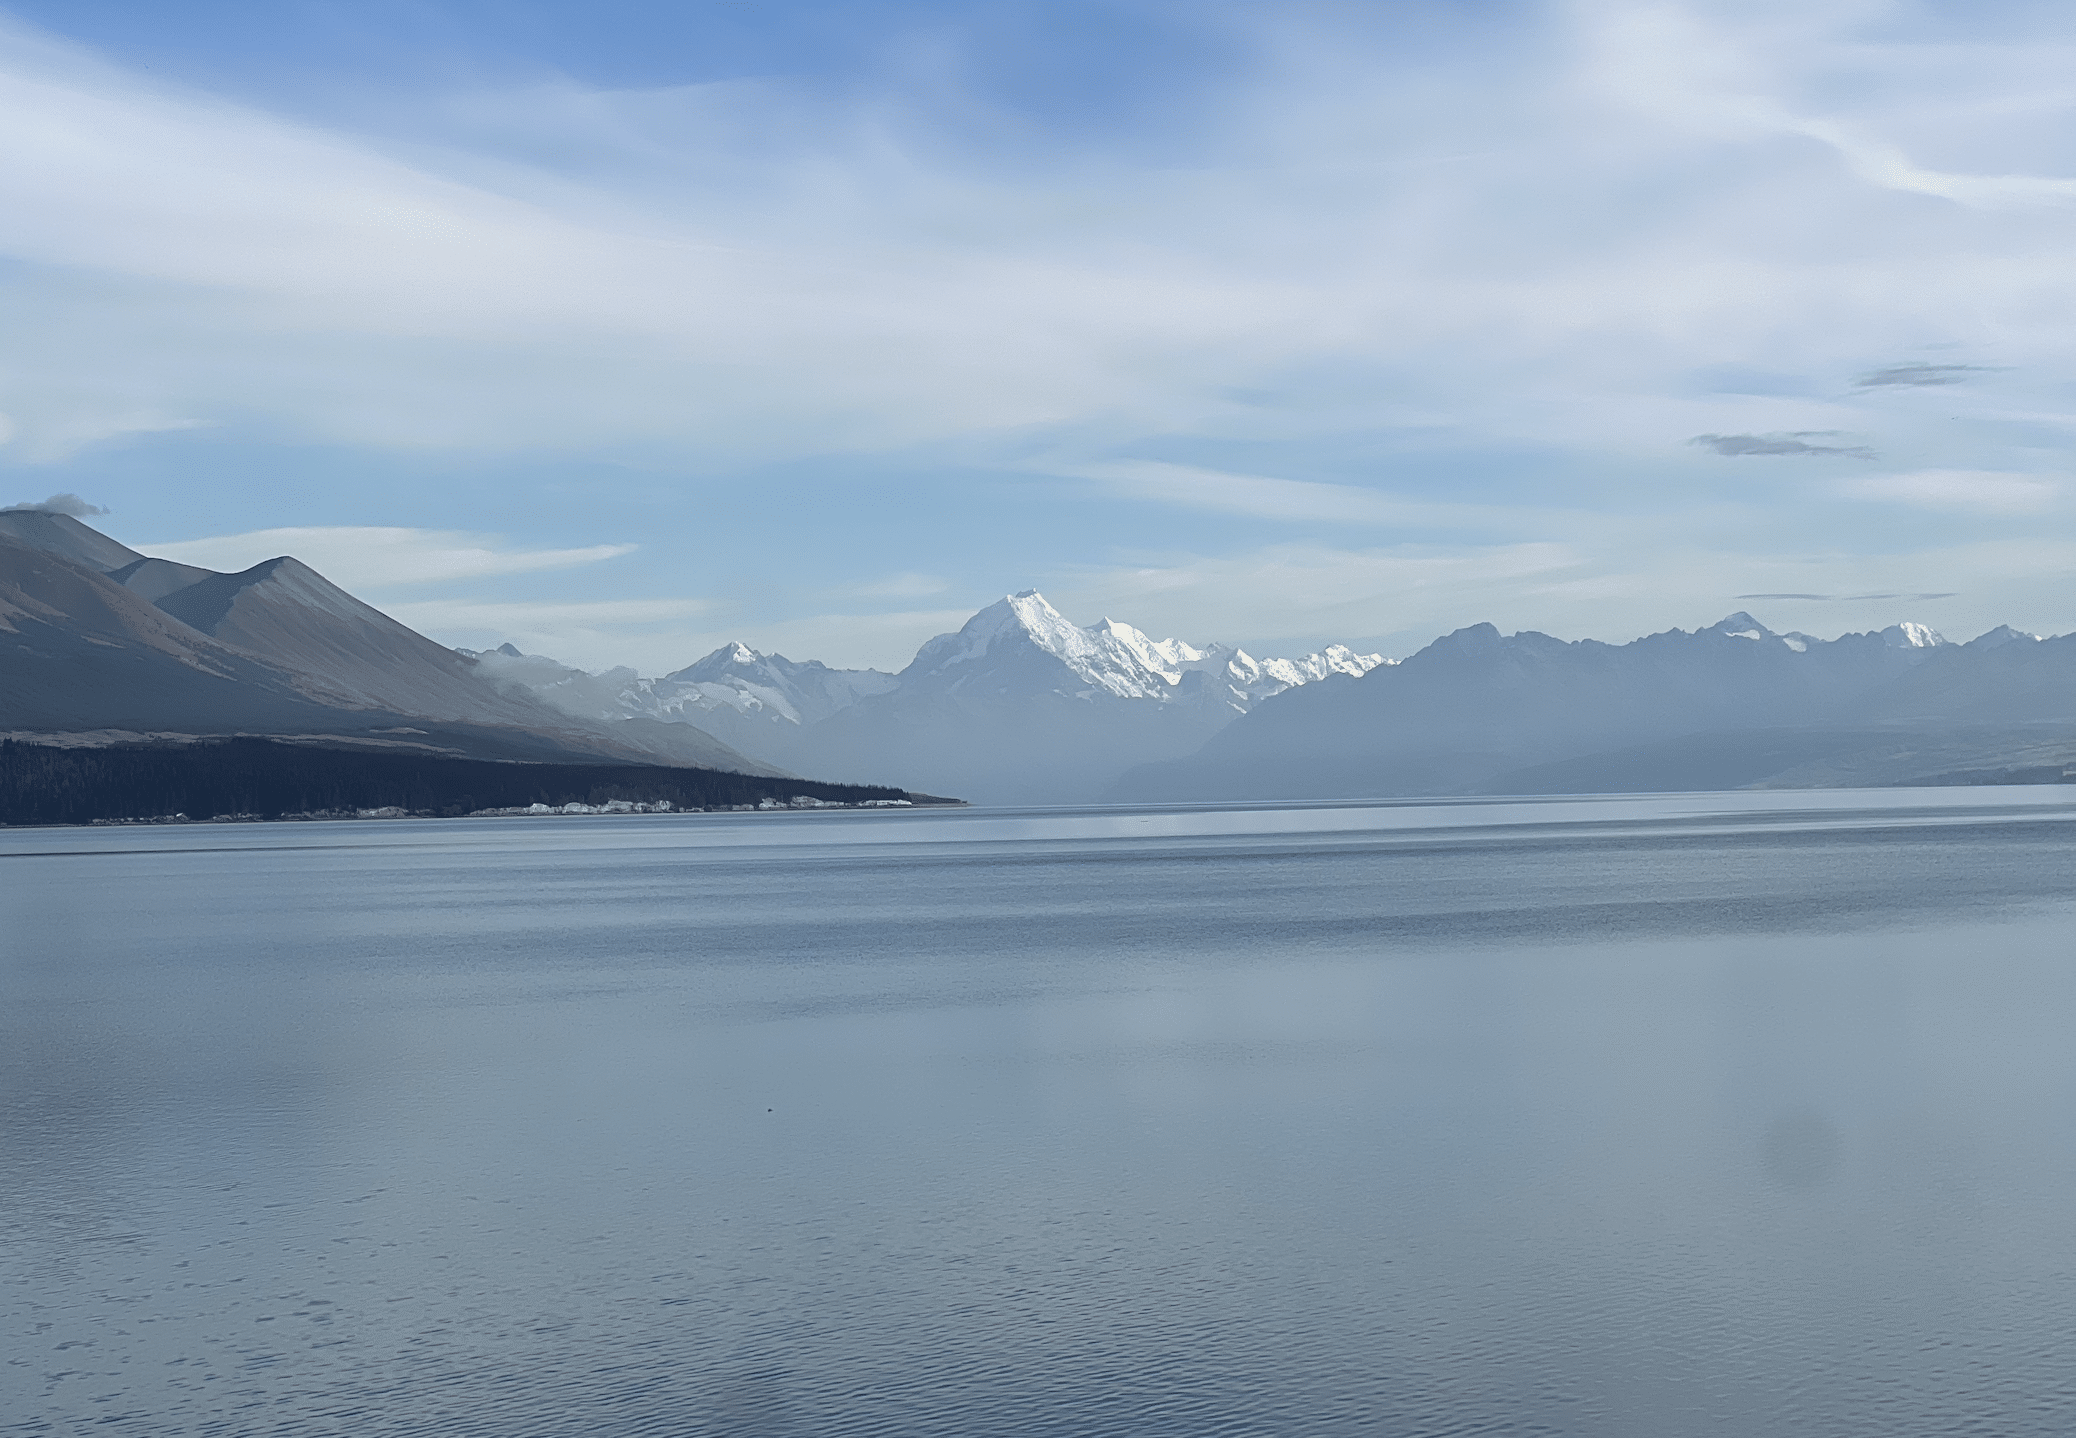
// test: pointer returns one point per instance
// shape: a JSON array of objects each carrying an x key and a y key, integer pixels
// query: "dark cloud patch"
[
  {"x": 1848, "y": 598},
  {"x": 1804, "y": 441},
  {"x": 70, "y": 504},
  {"x": 1917, "y": 372}
]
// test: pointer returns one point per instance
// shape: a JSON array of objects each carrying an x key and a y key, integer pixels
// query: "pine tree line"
[{"x": 46, "y": 784}]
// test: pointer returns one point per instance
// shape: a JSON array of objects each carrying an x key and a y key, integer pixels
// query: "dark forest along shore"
[{"x": 1716, "y": 1114}]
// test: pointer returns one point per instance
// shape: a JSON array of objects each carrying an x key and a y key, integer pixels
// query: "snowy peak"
[
  {"x": 1115, "y": 659},
  {"x": 1165, "y": 656},
  {"x": 733, "y": 682},
  {"x": 1248, "y": 680},
  {"x": 724, "y": 661},
  {"x": 1739, "y": 626},
  {"x": 1013, "y": 632},
  {"x": 1911, "y": 636},
  {"x": 2002, "y": 635},
  {"x": 1017, "y": 621}
]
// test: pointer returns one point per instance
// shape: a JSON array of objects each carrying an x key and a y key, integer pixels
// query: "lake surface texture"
[{"x": 1729, "y": 1114}]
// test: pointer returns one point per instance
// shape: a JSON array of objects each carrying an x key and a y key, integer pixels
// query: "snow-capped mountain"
[
  {"x": 1019, "y": 703},
  {"x": 1909, "y": 636},
  {"x": 743, "y": 697},
  {"x": 769, "y": 687},
  {"x": 2000, "y": 636},
  {"x": 1111, "y": 658},
  {"x": 1730, "y": 705}
]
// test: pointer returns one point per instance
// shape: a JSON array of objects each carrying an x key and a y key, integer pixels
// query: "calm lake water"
[{"x": 1723, "y": 1114}]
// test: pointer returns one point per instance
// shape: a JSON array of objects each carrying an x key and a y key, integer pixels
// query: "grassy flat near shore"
[{"x": 271, "y": 778}]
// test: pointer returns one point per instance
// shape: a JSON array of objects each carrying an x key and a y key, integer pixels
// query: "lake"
[{"x": 1709, "y": 1114}]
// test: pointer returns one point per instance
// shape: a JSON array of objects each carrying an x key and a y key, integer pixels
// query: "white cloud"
[
  {"x": 1979, "y": 491},
  {"x": 1534, "y": 249},
  {"x": 1266, "y": 497},
  {"x": 1732, "y": 71},
  {"x": 368, "y": 557},
  {"x": 750, "y": 272}
]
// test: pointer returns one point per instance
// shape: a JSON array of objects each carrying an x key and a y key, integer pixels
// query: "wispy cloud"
[
  {"x": 1257, "y": 496},
  {"x": 1985, "y": 492},
  {"x": 1856, "y": 598},
  {"x": 1919, "y": 374},
  {"x": 860, "y": 275},
  {"x": 359, "y": 557},
  {"x": 1749, "y": 71},
  {"x": 1482, "y": 280},
  {"x": 1736, "y": 446}
]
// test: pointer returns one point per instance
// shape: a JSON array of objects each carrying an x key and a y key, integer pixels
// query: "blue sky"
[{"x": 623, "y": 329}]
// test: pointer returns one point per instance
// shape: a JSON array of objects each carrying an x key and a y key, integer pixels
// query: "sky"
[{"x": 624, "y": 329}]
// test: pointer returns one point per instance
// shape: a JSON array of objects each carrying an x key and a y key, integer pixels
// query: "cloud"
[
  {"x": 1737, "y": 445},
  {"x": 1293, "y": 501},
  {"x": 357, "y": 557},
  {"x": 751, "y": 269},
  {"x": 1853, "y": 598},
  {"x": 1981, "y": 491},
  {"x": 1739, "y": 73},
  {"x": 70, "y": 504},
  {"x": 1919, "y": 373},
  {"x": 1483, "y": 274}
]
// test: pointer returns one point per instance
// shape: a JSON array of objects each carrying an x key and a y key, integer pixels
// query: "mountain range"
[
  {"x": 1020, "y": 705},
  {"x": 100, "y": 644},
  {"x": 96, "y": 638},
  {"x": 1733, "y": 705}
]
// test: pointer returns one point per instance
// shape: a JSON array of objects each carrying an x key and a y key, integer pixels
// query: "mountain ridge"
[
  {"x": 97, "y": 637},
  {"x": 1018, "y": 705},
  {"x": 1480, "y": 712}
]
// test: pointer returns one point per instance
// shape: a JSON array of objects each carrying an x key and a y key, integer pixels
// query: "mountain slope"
[
  {"x": 62, "y": 535},
  {"x": 82, "y": 652},
  {"x": 154, "y": 579},
  {"x": 98, "y": 637},
  {"x": 1734, "y": 703},
  {"x": 343, "y": 652}
]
